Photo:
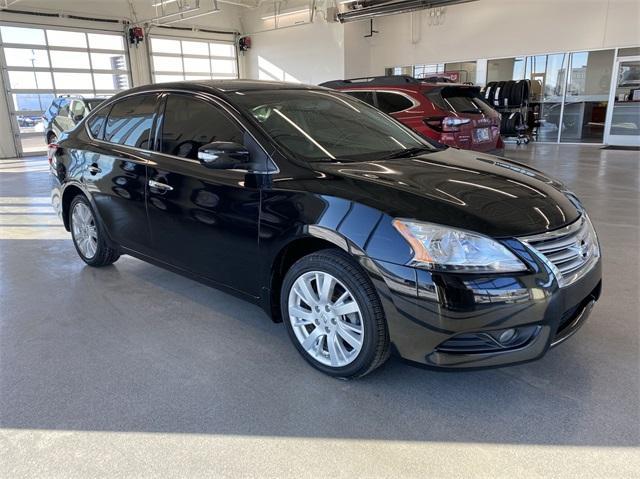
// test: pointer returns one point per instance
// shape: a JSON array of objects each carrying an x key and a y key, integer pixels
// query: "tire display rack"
[{"x": 511, "y": 100}]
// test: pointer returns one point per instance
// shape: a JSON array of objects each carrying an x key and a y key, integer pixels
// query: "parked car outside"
[
  {"x": 363, "y": 237},
  {"x": 64, "y": 113},
  {"x": 452, "y": 114}
]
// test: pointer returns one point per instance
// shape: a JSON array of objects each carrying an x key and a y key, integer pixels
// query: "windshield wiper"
[{"x": 407, "y": 152}]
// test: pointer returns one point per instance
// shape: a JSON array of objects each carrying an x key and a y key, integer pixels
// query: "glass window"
[
  {"x": 101, "y": 41},
  {"x": 177, "y": 60},
  {"x": 547, "y": 75},
  {"x": 587, "y": 96},
  {"x": 167, "y": 64},
  {"x": 222, "y": 50},
  {"x": 26, "y": 57},
  {"x": 73, "y": 81},
  {"x": 67, "y": 59},
  {"x": 96, "y": 124},
  {"x": 459, "y": 99},
  {"x": 196, "y": 65},
  {"x": 505, "y": 69},
  {"x": 223, "y": 66},
  {"x": 30, "y": 80},
  {"x": 163, "y": 45},
  {"x": 466, "y": 71},
  {"x": 111, "y": 81},
  {"x": 365, "y": 96},
  {"x": 325, "y": 126},
  {"x": 31, "y": 101},
  {"x": 195, "y": 48},
  {"x": 63, "y": 108},
  {"x": 64, "y": 38},
  {"x": 130, "y": 121},
  {"x": 108, "y": 61},
  {"x": 392, "y": 102},
  {"x": 190, "y": 123},
  {"x": 27, "y": 36}
]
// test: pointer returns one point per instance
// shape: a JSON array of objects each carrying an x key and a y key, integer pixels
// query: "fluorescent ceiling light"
[
  {"x": 347, "y": 1},
  {"x": 284, "y": 14}
]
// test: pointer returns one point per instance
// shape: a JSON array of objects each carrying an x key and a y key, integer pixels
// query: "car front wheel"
[{"x": 333, "y": 315}]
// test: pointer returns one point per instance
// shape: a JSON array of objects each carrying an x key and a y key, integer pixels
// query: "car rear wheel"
[
  {"x": 333, "y": 315},
  {"x": 88, "y": 236}
]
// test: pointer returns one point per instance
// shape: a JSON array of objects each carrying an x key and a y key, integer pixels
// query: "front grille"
[{"x": 570, "y": 252}]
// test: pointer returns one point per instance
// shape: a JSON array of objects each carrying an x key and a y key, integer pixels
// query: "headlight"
[{"x": 442, "y": 248}]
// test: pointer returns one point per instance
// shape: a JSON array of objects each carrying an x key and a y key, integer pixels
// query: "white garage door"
[
  {"x": 176, "y": 59},
  {"x": 42, "y": 63}
]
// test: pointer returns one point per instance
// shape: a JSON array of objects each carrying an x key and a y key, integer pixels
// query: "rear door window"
[
  {"x": 365, "y": 96},
  {"x": 64, "y": 108},
  {"x": 130, "y": 121},
  {"x": 459, "y": 100},
  {"x": 392, "y": 102}
]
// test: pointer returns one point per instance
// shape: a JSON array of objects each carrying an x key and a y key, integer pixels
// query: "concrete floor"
[{"x": 133, "y": 371}]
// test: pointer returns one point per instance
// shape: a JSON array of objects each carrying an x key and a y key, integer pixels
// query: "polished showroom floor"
[{"x": 132, "y": 371}]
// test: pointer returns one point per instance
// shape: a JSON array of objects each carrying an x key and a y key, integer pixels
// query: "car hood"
[{"x": 463, "y": 189}]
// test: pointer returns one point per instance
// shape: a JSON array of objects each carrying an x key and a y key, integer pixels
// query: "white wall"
[
  {"x": 491, "y": 29},
  {"x": 310, "y": 53}
]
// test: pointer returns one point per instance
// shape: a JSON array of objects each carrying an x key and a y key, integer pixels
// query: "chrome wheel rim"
[
  {"x": 326, "y": 319},
  {"x": 85, "y": 232}
]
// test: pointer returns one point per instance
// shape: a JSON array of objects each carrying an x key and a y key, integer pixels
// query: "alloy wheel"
[
  {"x": 326, "y": 319},
  {"x": 85, "y": 231}
]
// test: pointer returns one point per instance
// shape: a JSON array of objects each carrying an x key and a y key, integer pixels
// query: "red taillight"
[
  {"x": 51, "y": 152},
  {"x": 434, "y": 122},
  {"x": 446, "y": 123}
]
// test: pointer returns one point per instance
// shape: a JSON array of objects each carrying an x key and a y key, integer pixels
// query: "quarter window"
[
  {"x": 130, "y": 121},
  {"x": 190, "y": 123},
  {"x": 96, "y": 124},
  {"x": 392, "y": 102}
]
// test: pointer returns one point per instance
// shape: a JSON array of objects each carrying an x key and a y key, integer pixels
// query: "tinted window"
[
  {"x": 459, "y": 100},
  {"x": 190, "y": 123},
  {"x": 365, "y": 96},
  {"x": 392, "y": 102},
  {"x": 96, "y": 124},
  {"x": 92, "y": 103},
  {"x": 64, "y": 108},
  {"x": 130, "y": 121},
  {"x": 328, "y": 126}
]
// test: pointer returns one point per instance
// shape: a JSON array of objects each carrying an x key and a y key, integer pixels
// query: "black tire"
[
  {"x": 375, "y": 348},
  {"x": 51, "y": 138},
  {"x": 104, "y": 254}
]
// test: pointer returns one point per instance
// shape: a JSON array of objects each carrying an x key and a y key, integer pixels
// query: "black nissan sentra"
[{"x": 365, "y": 239}]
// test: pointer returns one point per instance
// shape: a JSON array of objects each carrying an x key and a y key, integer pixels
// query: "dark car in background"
[
  {"x": 364, "y": 238},
  {"x": 452, "y": 114},
  {"x": 64, "y": 113}
]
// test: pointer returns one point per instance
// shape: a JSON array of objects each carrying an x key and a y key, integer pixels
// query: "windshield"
[
  {"x": 325, "y": 126},
  {"x": 460, "y": 100}
]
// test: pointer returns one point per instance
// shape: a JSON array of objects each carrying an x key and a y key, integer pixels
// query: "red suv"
[{"x": 451, "y": 113}]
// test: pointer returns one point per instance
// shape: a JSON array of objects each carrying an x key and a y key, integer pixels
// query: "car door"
[
  {"x": 115, "y": 167},
  {"x": 204, "y": 220}
]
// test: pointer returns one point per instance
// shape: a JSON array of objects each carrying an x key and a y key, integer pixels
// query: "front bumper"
[{"x": 432, "y": 317}]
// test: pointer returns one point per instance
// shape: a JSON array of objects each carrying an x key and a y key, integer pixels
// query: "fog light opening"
[{"x": 507, "y": 336}]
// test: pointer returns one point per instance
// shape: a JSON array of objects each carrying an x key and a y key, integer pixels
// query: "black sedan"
[{"x": 362, "y": 237}]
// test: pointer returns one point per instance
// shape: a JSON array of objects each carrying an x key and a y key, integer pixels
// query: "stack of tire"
[{"x": 509, "y": 94}]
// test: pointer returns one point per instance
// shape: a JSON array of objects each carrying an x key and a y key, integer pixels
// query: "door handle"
[
  {"x": 160, "y": 186},
  {"x": 94, "y": 170}
]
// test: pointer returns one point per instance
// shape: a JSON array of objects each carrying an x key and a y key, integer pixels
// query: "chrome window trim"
[
  {"x": 413, "y": 101},
  {"x": 207, "y": 96}
]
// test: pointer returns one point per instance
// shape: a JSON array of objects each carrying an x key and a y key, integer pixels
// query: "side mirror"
[
  {"x": 223, "y": 155},
  {"x": 78, "y": 118}
]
